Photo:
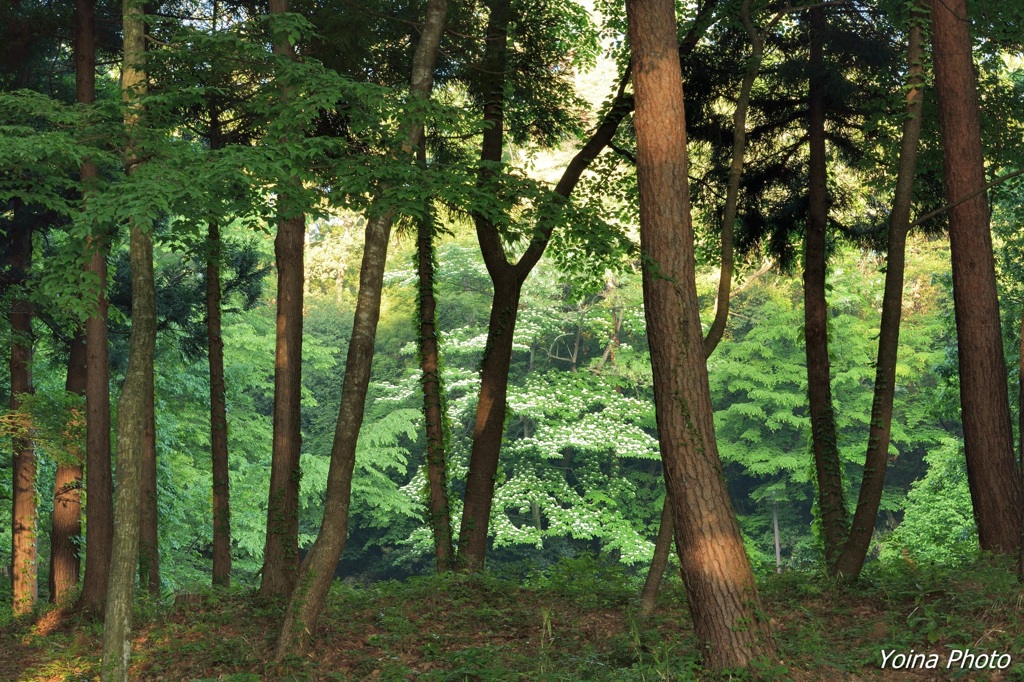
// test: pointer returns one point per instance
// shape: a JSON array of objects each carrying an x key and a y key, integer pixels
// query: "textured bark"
[
  {"x": 149, "y": 547},
  {"x": 855, "y": 549},
  {"x": 67, "y": 493},
  {"x": 98, "y": 477},
  {"x": 218, "y": 414},
  {"x": 281, "y": 551},
  {"x": 828, "y": 469},
  {"x": 136, "y": 391},
  {"x": 663, "y": 542},
  {"x": 317, "y": 570},
  {"x": 719, "y": 582},
  {"x": 433, "y": 407},
  {"x": 25, "y": 514},
  {"x": 988, "y": 434}
]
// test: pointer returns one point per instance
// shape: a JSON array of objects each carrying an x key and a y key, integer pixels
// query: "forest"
[{"x": 512, "y": 340}]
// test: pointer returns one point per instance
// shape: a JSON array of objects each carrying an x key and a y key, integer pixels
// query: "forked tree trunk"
[
  {"x": 25, "y": 514},
  {"x": 98, "y": 477},
  {"x": 433, "y": 391},
  {"x": 218, "y": 414},
  {"x": 854, "y": 551},
  {"x": 281, "y": 551},
  {"x": 136, "y": 391},
  {"x": 722, "y": 594},
  {"x": 663, "y": 542},
  {"x": 67, "y": 492},
  {"x": 317, "y": 570},
  {"x": 988, "y": 436},
  {"x": 827, "y": 466}
]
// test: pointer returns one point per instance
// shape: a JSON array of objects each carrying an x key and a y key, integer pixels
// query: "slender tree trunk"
[
  {"x": 98, "y": 477},
  {"x": 662, "y": 547},
  {"x": 988, "y": 435},
  {"x": 716, "y": 572},
  {"x": 663, "y": 542},
  {"x": 855, "y": 549},
  {"x": 149, "y": 543},
  {"x": 778, "y": 544},
  {"x": 281, "y": 552},
  {"x": 67, "y": 493},
  {"x": 433, "y": 407},
  {"x": 25, "y": 514},
  {"x": 136, "y": 392},
  {"x": 218, "y": 414},
  {"x": 819, "y": 390},
  {"x": 317, "y": 570}
]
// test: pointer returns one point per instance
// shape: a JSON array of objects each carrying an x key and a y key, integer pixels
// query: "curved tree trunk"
[
  {"x": 25, "y": 514},
  {"x": 67, "y": 493},
  {"x": 663, "y": 542},
  {"x": 828, "y": 468},
  {"x": 988, "y": 434},
  {"x": 855, "y": 549},
  {"x": 719, "y": 581},
  {"x": 136, "y": 392},
  {"x": 281, "y": 551},
  {"x": 149, "y": 547},
  {"x": 218, "y": 414},
  {"x": 317, "y": 570}
]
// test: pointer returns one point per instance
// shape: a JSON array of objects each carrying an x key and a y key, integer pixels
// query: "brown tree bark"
[
  {"x": 433, "y": 408},
  {"x": 719, "y": 581},
  {"x": 828, "y": 468},
  {"x": 67, "y": 493},
  {"x": 854, "y": 551},
  {"x": 25, "y": 514},
  {"x": 98, "y": 477},
  {"x": 281, "y": 551},
  {"x": 663, "y": 542},
  {"x": 988, "y": 435},
  {"x": 137, "y": 390},
  {"x": 149, "y": 543},
  {"x": 218, "y": 414},
  {"x": 317, "y": 570}
]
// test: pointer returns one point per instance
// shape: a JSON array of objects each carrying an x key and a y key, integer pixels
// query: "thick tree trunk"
[
  {"x": 67, "y": 493},
  {"x": 149, "y": 547},
  {"x": 663, "y": 542},
  {"x": 854, "y": 551},
  {"x": 433, "y": 407},
  {"x": 218, "y": 414},
  {"x": 136, "y": 392},
  {"x": 988, "y": 435},
  {"x": 719, "y": 581},
  {"x": 281, "y": 551},
  {"x": 25, "y": 514},
  {"x": 98, "y": 477},
  {"x": 828, "y": 468},
  {"x": 317, "y": 570}
]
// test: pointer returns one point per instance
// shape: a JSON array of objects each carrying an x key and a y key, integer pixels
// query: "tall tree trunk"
[
  {"x": 218, "y": 414},
  {"x": 828, "y": 468},
  {"x": 855, "y": 549},
  {"x": 98, "y": 477},
  {"x": 433, "y": 406},
  {"x": 25, "y": 514},
  {"x": 67, "y": 492},
  {"x": 149, "y": 547},
  {"x": 281, "y": 551},
  {"x": 988, "y": 435},
  {"x": 317, "y": 570},
  {"x": 716, "y": 331},
  {"x": 137, "y": 390},
  {"x": 719, "y": 581}
]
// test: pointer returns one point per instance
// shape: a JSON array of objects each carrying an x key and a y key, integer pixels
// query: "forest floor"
[{"x": 577, "y": 621}]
